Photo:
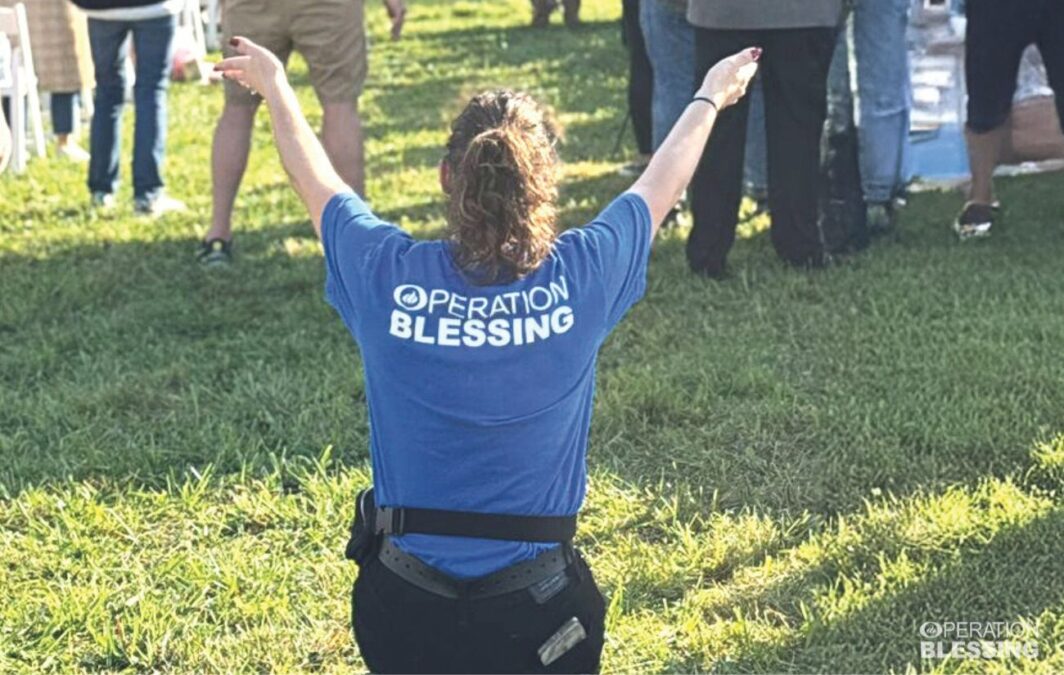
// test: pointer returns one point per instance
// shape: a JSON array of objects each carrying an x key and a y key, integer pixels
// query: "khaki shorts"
[{"x": 330, "y": 34}]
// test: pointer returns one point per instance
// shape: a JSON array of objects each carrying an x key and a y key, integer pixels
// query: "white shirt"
[{"x": 153, "y": 11}]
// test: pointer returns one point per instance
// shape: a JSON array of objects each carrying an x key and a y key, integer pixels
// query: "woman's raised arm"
[
  {"x": 308, "y": 167},
  {"x": 674, "y": 163}
]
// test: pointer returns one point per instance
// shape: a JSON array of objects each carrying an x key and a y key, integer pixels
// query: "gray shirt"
[{"x": 760, "y": 14}]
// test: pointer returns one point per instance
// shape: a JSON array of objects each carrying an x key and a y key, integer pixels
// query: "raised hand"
[
  {"x": 254, "y": 67},
  {"x": 727, "y": 81}
]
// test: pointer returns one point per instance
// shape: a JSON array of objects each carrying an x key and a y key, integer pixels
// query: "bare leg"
[
  {"x": 984, "y": 153},
  {"x": 341, "y": 134},
  {"x": 229, "y": 159}
]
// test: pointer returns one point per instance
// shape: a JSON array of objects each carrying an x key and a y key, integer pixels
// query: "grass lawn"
[{"x": 790, "y": 471}]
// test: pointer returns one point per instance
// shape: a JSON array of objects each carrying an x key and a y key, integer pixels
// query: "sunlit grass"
[{"x": 790, "y": 471}]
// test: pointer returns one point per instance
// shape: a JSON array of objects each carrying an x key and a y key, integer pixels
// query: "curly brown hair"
[{"x": 503, "y": 186}]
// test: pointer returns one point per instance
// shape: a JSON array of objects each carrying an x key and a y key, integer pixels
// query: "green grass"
[{"x": 790, "y": 471}]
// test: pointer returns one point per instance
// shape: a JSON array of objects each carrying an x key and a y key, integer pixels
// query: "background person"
[
  {"x": 331, "y": 36},
  {"x": 542, "y": 9},
  {"x": 63, "y": 65},
  {"x": 799, "y": 39},
  {"x": 670, "y": 47},
  {"x": 874, "y": 79},
  {"x": 152, "y": 26},
  {"x": 640, "y": 87},
  {"x": 445, "y": 437},
  {"x": 998, "y": 33}
]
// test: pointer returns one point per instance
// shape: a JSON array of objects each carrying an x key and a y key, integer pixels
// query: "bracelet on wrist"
[{"x": 707, "y": 100}]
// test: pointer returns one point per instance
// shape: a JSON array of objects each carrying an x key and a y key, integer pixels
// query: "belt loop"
[{"x": 398, "y": 521}]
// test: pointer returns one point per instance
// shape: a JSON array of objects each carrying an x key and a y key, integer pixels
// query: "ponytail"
[{"x": 503, "y": 187}]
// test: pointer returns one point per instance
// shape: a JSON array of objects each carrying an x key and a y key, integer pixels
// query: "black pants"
[
  {"x": 998, "y": 33},
  {"x": 794, "y": 71},
  {"x": 403, "y": 629},
  {"x": 640, "y": 77}
]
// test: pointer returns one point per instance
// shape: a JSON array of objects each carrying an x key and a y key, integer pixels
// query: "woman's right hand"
[
  {"x": 727, "y": 81},
  {"x": 253, "y": 67}
]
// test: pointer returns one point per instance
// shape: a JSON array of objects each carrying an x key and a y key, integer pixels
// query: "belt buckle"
[{"x": 394, "y": 520}]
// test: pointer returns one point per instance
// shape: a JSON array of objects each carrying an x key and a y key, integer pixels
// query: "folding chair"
[
  {"x": 22, "y": 92},
  {"x": 213, "y": 21},
  {"x": 192, "y": 18}
]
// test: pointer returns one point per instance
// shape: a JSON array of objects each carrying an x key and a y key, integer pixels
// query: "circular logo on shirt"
[{"x": 411, "y": 297}]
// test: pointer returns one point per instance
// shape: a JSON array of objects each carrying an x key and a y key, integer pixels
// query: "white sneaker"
[
  {"x": 73, "y": 152},
  {"x": 104, "y": 201},
  {"x": 159, "y": 205}
]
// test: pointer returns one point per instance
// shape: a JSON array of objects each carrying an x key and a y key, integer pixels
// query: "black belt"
[
  {"x": 543, "y": 529},
  {"x": 549, "y": 568}
]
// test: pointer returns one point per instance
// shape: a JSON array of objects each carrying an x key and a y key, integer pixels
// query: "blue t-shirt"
[{"x": 480, "y": 397}]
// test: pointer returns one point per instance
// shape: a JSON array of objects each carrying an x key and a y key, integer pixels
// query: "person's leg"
[
  {"x": 229, "y": 160},
  {"x": 794, "y": 73},
  {"x": 572, "y": 12},
  {"x": 341, "y": 134},
  {"x": 331, "y": 36},
  {"x": 640, "y": 77},
  {"x": 108, "y": 45},
  {"x": 884, "y": 96},
  {"x": 997, "y": 36},
  {"x": 716, "y": 189},
  {"x": 153, "y": 40},
  {"x": 62, "y": 106},
  {"x": 541, "y": 11},
  {"x": 842, "y": 218},
  {"x": 1051, "y": 45},
  {"x": 268, "y": 27},
  {"x": 670, "y": 43},
  {"x": 755, "y": 167}
]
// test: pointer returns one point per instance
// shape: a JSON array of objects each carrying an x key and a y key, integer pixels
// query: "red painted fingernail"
[
  {"x": 756, "y": 53},
  {"x": 234, "y": 42}
]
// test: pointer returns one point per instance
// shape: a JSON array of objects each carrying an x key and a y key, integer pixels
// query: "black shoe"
[
  {"x": 215, "y": 253},
  {"x": 975, "y": 221}
]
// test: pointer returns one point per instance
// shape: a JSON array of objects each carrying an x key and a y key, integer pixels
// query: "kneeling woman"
[{"x": 479, "y": 354}]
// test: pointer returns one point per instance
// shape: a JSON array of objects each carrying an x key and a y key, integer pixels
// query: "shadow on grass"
[{"x": 1011, "y": 578}]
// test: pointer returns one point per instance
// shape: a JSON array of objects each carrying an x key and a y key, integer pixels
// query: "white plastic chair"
[
  {"x": 213, "y": 19},
  {"x": 192, "y": 18},
  {"x": 22, "y": 91}
]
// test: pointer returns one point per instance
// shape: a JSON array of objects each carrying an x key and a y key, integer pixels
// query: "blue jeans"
[
  {"x": 873, "y": 77},
  {"x": 755, "y": 167},
  {"x": 153, "y": 41},
  {"x": 670, "y": 42}
]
